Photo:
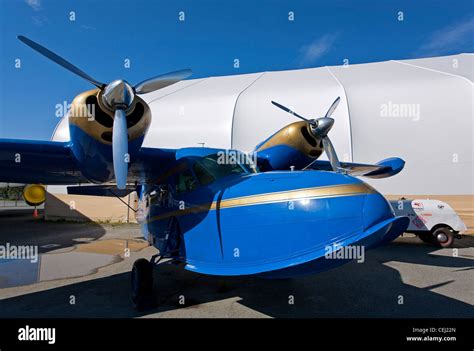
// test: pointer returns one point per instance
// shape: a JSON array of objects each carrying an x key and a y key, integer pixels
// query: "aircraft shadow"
[
  {"x": 368, "y": 290},
  {"x": 18, "y": 227}
]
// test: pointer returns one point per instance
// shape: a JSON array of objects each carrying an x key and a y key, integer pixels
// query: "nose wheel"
[{"x": 142, "y": 284}]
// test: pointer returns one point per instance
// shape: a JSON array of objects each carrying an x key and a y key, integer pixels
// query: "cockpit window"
[
  {"x": 211, "y": 168},
  {"x": 185, "y": 181},
  {"x": 202, "y": 174}
]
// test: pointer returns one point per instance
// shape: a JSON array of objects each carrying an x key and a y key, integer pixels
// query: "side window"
[
  {"x": 202, "y": 175},
  {"x": 185, "y": 181}
]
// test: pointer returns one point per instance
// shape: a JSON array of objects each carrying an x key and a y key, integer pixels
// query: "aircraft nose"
[{"x": 376, "y": 209}]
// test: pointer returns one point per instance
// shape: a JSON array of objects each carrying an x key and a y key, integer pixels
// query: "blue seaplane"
[{"x": 278, "y": 212}]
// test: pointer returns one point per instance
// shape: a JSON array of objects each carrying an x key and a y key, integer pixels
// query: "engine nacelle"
[
  {"x": 91, "y": 128},
  {"x": 293, "y": 145},
  {"x": 89, "y": 113},
  {"x": 34, "y": 194}
]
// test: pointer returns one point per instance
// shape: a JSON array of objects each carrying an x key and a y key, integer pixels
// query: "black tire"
[
  {"x": 142, "y": 284},
  {"x": 443, "y": 236},
  {"x": 174, "y": 240}
]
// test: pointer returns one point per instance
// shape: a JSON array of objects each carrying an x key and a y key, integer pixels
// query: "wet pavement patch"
[
  {"x": 83, "y": 259},
  {"x": 18, "y": 272}
]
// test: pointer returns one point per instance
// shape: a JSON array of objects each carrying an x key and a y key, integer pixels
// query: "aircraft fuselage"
[{"x": 277, "y": 224}]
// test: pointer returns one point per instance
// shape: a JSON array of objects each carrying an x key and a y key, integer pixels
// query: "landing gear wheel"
[
  {"x": 174, "y": 239},
  {"x": 443, "y": 236},
  {"x": 142, "y": 284}
]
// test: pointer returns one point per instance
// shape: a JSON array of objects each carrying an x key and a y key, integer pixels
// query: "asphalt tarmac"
[{"x": 84, "y": 271}]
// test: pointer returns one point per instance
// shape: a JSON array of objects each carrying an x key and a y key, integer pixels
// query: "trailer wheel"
[{"x": 443, "y": 236}]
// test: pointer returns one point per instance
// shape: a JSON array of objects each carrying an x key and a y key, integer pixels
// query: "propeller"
[
  {"x": 118, "y": 96},
  {"x": 120, "y": 148},
  {"x": 161, "y": 81},
  {"x": 320, "y": 128}
]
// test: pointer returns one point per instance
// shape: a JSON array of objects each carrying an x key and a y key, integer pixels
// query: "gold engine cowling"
[
  {"x": 298, "y": 136},
  {"x": 34, "y": 194},
  {"x": 89, "y": 113}
]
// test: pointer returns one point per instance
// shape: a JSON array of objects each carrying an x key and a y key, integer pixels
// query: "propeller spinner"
[
  {"x": 320, "y": 128},
  {"x": 118, "y": 96}
]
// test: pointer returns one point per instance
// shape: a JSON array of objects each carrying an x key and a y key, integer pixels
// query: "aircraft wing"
[
  {"x": 45, "y": 162},
  {"x": 53, "y": 163},
  {"x": 383, "y": 169},
  {"x": 150, "y": 164}
]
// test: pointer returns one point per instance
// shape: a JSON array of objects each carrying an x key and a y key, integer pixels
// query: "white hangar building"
[{"x": 420, "y": 110}]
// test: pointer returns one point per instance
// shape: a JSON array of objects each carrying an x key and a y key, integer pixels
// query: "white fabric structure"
[{"x": 420, "y": 110}]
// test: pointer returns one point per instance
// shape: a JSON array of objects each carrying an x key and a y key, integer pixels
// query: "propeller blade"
[
  {"x": 59, "y": 60},
  {"x": 120, "y": 148},
  {"x": 161, "y": 81},
  {"x": 333, "y": 107},
  {"x": 331, "y": 153},
  {"x": 286, "y": 109}
]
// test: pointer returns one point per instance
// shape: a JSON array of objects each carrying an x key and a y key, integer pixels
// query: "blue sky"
[{"x": 213, "y": 34}]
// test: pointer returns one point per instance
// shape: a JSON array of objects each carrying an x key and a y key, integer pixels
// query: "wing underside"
[
  {"x": 45, "y": 162},
  {"x": 53, "y": 163}
]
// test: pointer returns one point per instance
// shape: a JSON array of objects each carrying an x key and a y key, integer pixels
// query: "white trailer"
[{"x": 433, "y": 221}]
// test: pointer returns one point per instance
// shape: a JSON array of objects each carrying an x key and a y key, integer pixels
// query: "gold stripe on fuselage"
[{"x": 275, "y": 197}]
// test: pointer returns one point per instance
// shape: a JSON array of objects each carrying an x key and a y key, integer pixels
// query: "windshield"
[{"x": 209, "y": 169}]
